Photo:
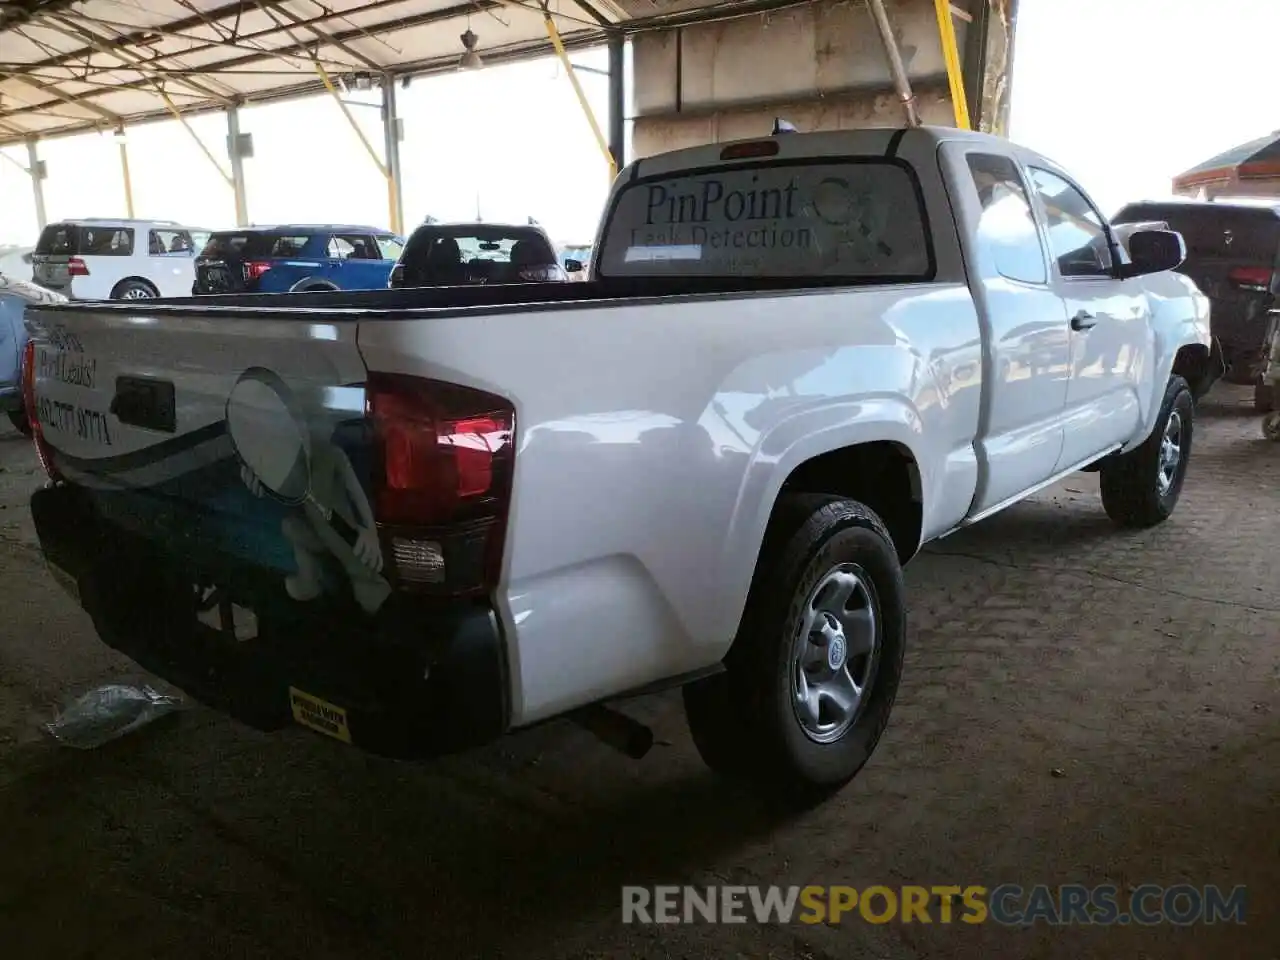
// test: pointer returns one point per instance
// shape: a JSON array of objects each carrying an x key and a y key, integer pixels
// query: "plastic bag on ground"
[{"x": 109, "y": 712}]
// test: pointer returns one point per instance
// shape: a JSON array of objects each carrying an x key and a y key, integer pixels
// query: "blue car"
[
  {"x": 15, "y": 295},
  {"x": 296, "y": 259}
]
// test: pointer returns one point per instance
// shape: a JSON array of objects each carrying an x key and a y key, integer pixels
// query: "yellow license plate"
[
  {"x": 319, "y": 715},
  {"x": 65, "y": 580}
]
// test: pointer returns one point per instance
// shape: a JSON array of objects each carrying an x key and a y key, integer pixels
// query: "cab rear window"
[{"x": 853, "y": 220}]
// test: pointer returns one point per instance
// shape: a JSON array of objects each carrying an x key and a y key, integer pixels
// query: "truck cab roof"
[{"x": 883, "y": 141}]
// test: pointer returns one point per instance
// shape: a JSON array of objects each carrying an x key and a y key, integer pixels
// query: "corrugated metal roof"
[
  {"x": 94, "y": 64},
  {"x": 1262, "y": 153}
]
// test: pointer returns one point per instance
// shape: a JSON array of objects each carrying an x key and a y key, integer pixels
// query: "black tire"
[
  {"x": 744, "y": 721},
  {"x": 1264, "y": 398},
  {"x": 134, "y": 290},
  {"x": 1130, "y": 483},
  {"x": 20, "y": 422}
]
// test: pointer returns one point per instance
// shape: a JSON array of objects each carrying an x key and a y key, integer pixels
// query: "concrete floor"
[{"x": 1144, "y": 668}]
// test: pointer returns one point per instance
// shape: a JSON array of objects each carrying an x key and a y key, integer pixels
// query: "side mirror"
[
  {"x": 1151, "y": 251},
  {"x": 573, "y": 266}
]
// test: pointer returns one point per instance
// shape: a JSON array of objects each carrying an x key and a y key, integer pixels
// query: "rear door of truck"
[{"x": 202, "y": 431}]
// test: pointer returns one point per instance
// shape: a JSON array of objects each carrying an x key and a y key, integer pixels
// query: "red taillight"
[
  {"x": 33, "y": 410},
  {"x": 254, "y": 269},
  {"x": 1251, "y": 276},
  {"x": 443, "y": 487},
  {"x": 77, "y": 268}
]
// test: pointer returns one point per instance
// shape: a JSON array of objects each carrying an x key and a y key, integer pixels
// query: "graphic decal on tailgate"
[
  {"x": 287, "y": 452},
  {"x": 278, "y": 483}
]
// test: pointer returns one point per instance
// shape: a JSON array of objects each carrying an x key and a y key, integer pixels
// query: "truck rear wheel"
[
  {"x": 811, "y": 677},
  {"x": 1140, "y": 488}
]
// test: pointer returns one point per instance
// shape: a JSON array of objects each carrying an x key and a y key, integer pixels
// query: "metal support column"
[
  {"x": 617, "y": 101},
  {"x": 124, "y": 172},
  {"x": 554, "y": 36},
  {"x": 392, "y": 131},
  {"x": 237, "y": 166},
  {"x": 383, "y": 168},
  {"x": 35, "y": 167},
  {"x": 897, "y": 69},
  {"x": 975, "y": 61}
]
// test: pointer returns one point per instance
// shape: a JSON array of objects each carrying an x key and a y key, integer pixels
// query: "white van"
[{"x": 96, "y": 259}]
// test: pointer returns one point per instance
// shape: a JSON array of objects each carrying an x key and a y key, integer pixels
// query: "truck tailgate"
[{"x": 204, "y": 431}]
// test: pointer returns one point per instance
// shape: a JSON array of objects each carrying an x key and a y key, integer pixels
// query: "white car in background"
[
  {"x": 15, "y": 262},
  {"x": 99, "y": 259}
]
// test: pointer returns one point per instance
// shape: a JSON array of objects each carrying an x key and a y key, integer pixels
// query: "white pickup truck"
[{"x": 417, "y": 519}]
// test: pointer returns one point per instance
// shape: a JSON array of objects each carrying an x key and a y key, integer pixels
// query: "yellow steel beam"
[
  {"x": 554, "y": 35},
  {"x": 392, "y": 205},
  {"x": 128, "y": 180},
  {"x": 951, "y": 55}
]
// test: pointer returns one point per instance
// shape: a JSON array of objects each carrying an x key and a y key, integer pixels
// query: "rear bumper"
[{"x": 416, "y": 680}]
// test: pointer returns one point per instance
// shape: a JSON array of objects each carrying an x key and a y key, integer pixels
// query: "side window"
[
  {"x": 287, "y": 246},
  {"x": 390, "y": 248},
  {"x": 340, "y": 248},
  {"x": 1008, "y": 227},
  {"x": 169, "y": 241},
  {"x": 108, "y": 242},
  {"x": 355, "y": 246},
  {"x": 1077, "y": 233}
]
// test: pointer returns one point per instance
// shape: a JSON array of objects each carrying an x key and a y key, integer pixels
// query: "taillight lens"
[
  {"x": 443, "y": 487},
  {"x": 551, "y": 273},
  {"x": 77, "y": 268},
  {"x": 33, "y": 412},
  {"x": 254, "y": 269},
  {"x": 1251, "y": 276}
]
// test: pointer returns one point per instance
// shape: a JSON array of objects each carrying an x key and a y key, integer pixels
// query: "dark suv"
[
  {"x": 462, "y": 254},
  {"x": 1233, "y": 252}
]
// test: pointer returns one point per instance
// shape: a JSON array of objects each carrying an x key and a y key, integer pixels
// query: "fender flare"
[
  {"x": 792, "y": 442},
  {"x": 313, "y": 285},
  {"x": 1167, "y": 346}
]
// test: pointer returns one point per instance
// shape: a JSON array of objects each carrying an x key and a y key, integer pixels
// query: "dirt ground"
[{"x": 1079, "y": 706}]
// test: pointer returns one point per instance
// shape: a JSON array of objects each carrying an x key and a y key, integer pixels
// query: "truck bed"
[{"x": 416, "y": 302}]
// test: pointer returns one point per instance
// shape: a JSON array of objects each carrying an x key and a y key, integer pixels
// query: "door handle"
[{"x": 1083, "y": 321}]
